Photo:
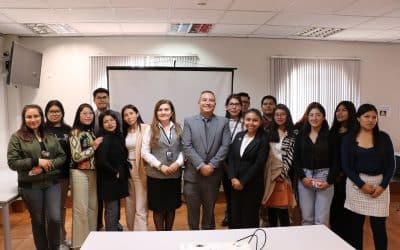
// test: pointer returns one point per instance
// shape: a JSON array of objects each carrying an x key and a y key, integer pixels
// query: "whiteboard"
[{"x": 143, "y": 87}]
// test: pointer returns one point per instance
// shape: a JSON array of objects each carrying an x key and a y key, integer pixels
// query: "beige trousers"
[
  {"x": 136, "y": 202},
  {"x": 84, "y": 205}
]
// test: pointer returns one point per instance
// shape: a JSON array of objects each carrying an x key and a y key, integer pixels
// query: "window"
[{"x": 297, "y": 82}]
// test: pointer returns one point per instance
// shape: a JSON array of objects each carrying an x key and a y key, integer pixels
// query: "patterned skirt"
[{"x": 361, "y": 203}]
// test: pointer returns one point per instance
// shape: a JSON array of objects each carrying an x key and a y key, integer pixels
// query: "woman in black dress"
[
  {"x": 246, "y": 161},
  {"x": 345, "y": 117},
  {"x": 112, "y": 163}
]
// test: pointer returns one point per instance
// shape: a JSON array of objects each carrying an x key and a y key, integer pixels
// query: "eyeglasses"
[
  {"x": 54, "y": 112},
  {"x": 232, "y": 104},
  {"x": 87, "y": 113},
  {"x": 280, "y": 114}
]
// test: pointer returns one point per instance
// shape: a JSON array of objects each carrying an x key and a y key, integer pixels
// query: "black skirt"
[{"x": 163, "y": 195}]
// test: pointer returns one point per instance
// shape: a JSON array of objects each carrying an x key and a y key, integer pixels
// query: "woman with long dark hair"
[
  {"x": 162, "y": 150},
  {"x": 314, "y": 167},
  {"x": 368, "y": 161},
  {"x": 282, "y": 136},
  {"x": 136, "y": 203},
  {"x": 83, "y": 145},
  {"x": 343, "y": 123},
  {"x": 113, "y": 166},
  {"x": 246, "y": 161},
  {"x": 55, "y": 125},
  {"x": 37, "y": 156}
]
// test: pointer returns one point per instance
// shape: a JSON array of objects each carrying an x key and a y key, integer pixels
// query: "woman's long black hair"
[
  {"x": 289, "y": 126},
  {"x": 351, "y": 121}
]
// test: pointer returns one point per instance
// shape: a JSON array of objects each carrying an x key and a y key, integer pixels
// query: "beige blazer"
[{"x": 139, "y": 161}]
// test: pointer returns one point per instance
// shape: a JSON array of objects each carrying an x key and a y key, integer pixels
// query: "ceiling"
[{"x": 362, "y": 20}]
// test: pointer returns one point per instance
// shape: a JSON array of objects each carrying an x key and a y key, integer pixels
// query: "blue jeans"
[
  {"x": 315, "y": 203},
  {"x": 44, "y": 208},
  {"x": 111, "y": 215}
]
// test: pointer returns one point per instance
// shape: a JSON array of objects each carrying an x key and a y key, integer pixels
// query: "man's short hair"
[
  {"x": 245, "y": 94},
  {"x": 268, "y": 97},
  {"x": 207, "y": 91},
  {"x": 100, "y": 90}
]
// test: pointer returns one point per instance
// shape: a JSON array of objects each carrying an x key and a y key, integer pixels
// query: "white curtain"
[
  {"x": 296, "y": 82},
  {"x": 98, "y": 65}
]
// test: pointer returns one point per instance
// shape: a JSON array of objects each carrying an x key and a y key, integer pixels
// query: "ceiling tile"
[
  {"x": 233, "y": 29},
  {"x": 33, "y": 15},
  {"x": 246, "y": 17},
  {"x": 14, "y": 29},
  {"x": 380, "y": 23},
  {"x": 263, "y": 5},
  {"x": 395, "y": 13},
  {"x": 141, "y": 15},
  {"x": 318, "y": 6},
  {"x": 78, "y": 3},
  {"x": 196, "y": 16},
  {"x": 354, "y": 34},
  {"x": 154, "y": 4},
  {"x": 145, "y": 28},
  {"x": 4, "y": 19},
  {"x": 210, "y": 4},
  {"x": 278, "y": 30},
  {"x": 97, "y": 27},
  {"x": 23, "y": 4},
  {"x": 370, "y": 7},
  {"x": 87, "y": 15},
  {"x": 333, "y": 21},
  {"x": 387, "y": 35}
]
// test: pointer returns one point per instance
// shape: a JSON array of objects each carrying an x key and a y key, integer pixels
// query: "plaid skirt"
[{"x": 364, "y": 204}]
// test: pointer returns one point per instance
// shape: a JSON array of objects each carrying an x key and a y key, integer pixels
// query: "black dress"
[
  {"x": 111, "y": 158},
  {"x": 249, "y": 169}
]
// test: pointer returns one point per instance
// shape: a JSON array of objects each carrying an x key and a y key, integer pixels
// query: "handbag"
[{"x": 281, "y": 197}]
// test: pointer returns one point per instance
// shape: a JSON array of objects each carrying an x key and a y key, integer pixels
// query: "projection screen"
[{"x": 143, "y": 87}]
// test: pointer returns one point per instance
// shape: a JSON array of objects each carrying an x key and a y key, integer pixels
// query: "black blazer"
[
  {"x": 112, "y": 158},
  {"x": 250, "y": 166}
]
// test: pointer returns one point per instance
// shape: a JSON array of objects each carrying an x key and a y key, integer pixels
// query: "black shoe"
[{"x": 225, "y": 221}]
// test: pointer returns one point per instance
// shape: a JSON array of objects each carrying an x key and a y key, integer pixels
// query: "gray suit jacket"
[{"x": 200, "y": 150}]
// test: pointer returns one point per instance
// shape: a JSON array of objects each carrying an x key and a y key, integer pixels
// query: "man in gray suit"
[{"x": 206, "y": 140}]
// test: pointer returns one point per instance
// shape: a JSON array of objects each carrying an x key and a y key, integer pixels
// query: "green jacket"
[{"x": 23, "y": 155}]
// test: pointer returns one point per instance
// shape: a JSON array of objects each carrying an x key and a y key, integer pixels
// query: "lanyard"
[
  {"x": 165, "y": 134},
  {"x": 234, "y": 129}
]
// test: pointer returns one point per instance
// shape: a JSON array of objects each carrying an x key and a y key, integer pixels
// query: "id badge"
[{"x": 169, "y": 155}]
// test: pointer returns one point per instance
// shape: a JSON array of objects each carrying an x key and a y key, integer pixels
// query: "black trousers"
[
  {"x": 378, "y": 226},
  {"x": 226, "y": 183},
  {"x": 340, "y": 216},
  {"x": 246, "y": 205},
  {"x": 278, "y": 213}
]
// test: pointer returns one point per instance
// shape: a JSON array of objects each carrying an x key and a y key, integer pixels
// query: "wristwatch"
[{"x": 159, "y": 167}]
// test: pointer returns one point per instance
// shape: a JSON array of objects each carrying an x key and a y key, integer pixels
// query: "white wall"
[{"x": 65, "y": 72}]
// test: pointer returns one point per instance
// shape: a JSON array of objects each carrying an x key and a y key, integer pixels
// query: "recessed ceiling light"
[
  {"x": 44, "y": 29},
  {"x": 319, "y": 32},
  {"x": 193, "y": 28}
]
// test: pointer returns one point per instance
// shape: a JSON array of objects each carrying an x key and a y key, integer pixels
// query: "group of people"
[{"x": 267, "y": 165}]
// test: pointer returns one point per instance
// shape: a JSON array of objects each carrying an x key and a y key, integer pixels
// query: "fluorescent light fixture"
[
  {"x": 319, "y": 32},
  {"x": 180, "y": 27},
  {"x": 44, "y": 29},
  {"x": 193, "y": 28}
]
